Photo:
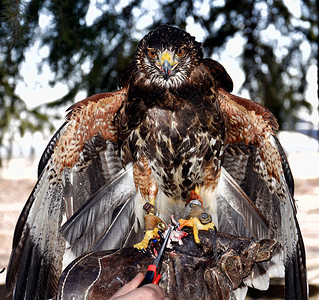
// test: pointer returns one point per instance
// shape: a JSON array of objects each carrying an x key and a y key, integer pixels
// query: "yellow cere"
[{"x": 166, "y": 56}]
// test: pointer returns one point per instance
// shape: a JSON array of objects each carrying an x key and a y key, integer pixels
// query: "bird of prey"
[{"x": 171, "y": 141}]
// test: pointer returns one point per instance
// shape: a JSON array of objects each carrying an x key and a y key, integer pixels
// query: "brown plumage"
[{"x": 175, "y": 120}]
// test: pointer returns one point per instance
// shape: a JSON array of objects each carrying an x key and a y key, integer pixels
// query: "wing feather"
[
  {"x": 238, "y": 214},
  {"x": 80, "y": 159},
  {"x": 255, "y": 159},
  {"x": 49, "y": 150},
  {"x": 112, "y": 206}
]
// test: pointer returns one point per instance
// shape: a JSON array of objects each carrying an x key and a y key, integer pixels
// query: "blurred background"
[{"x": 54, "y": 53}]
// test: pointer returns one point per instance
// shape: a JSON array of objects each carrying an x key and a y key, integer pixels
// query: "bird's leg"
[
  {"x": 148, "y": 188},
  {"x": 152, "y": 225},
  {"x": 198, "y": 218}
]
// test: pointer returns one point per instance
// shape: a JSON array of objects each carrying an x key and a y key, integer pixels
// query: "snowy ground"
[{"x": 18, "y": 176}]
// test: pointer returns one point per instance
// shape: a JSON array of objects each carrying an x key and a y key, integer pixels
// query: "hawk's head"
[{"x": 167, "y": 55}]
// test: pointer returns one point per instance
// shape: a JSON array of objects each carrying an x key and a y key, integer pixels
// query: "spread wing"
[
  {"x": 259, "y": 184},
  {"x": 82, "y": 191}
]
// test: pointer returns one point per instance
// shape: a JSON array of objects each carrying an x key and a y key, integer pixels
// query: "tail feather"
[
  {"x": 121, "y": 232},
  {"x": 239, "y": 215},
  {"x": 106, "y": 220},
  {"x": 296, "y": 284}
]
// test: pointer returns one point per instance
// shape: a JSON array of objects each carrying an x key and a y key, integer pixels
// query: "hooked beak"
[{"x": 167, "y": 64}]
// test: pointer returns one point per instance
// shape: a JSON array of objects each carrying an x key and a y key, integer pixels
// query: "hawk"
[{"x": 171, "y": 139}]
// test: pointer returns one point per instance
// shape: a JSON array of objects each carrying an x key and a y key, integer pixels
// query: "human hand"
[{"x": 147, "y": 292}]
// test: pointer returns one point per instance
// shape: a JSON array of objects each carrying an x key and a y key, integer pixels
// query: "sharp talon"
[{"x": 149, "y": 235}]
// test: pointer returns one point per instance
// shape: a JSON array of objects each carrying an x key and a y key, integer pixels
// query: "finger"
[
  {"x": 130, "y": 286},
  {"x": 135, "y": 282},
  {"x": 146, "y": 292}
]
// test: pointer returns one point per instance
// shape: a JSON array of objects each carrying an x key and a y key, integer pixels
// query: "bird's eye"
[
  {"x": 151, "y": 53},
  {"x": 180, "y": 52}
]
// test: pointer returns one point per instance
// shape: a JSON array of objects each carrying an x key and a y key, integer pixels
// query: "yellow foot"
[
  {"x": 149, "y": 235},
  {"x": 197, "y": 225},
  {"x": 152, "y": 225}
]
